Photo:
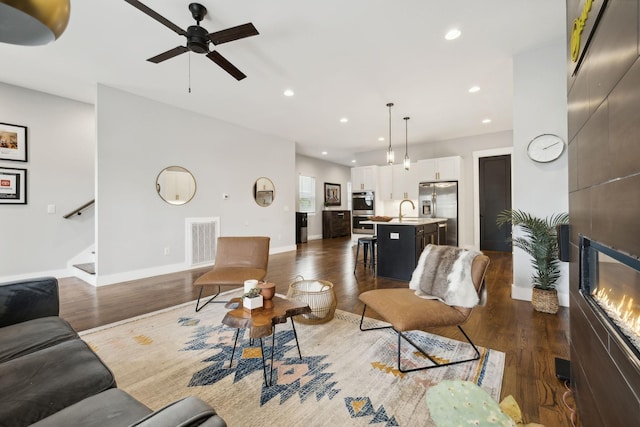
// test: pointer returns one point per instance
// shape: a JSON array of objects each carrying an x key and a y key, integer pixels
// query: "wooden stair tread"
[{"x": 89, "y": 267}]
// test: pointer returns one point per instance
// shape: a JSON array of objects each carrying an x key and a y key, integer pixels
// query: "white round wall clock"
[{"x": 545, "y": 148}]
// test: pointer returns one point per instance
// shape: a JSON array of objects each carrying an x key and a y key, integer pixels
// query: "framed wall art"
[
  {"x": 13, "y": 186},
  {"x": 331, "y": 194},
  {"x": 13, "y": 142}
]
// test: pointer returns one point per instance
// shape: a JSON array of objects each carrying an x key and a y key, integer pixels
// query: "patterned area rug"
[{"x": 345, "y": 377}]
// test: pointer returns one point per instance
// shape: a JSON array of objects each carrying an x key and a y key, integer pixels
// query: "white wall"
[
  {"x": 60, "y": 172},
  {"x": 137, "y": 138},
  {"x": 539, "y": 106},
  {"x": 463, "y": 147}
]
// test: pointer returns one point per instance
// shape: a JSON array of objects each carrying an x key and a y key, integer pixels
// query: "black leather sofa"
[{"x": 50, "y": 377}]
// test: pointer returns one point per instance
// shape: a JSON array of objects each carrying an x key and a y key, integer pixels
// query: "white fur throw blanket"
[{"x": 444, "y": 273}]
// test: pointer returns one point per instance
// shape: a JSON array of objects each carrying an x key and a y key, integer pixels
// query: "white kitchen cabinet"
[
  {"x": 385, "y": 183},
  {"x": 439, "y": 169},
  {"x": 364, "y": 178},
  {"x": 405, "y": 182}
]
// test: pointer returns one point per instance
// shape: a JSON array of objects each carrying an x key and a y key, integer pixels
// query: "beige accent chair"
[
  {"x": 407, "y": 312},
  {"x": 237, "y": 259}
]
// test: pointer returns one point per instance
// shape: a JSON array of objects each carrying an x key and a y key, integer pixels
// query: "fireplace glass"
[{"x": 610, "y": 281}]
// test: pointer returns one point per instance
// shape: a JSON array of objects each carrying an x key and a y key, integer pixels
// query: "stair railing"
[{"x": 80, "y": 209}]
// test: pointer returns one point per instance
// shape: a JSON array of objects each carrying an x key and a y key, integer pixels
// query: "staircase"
[
  {"x": 83, "y": 266},
  {"x": 87, "y": 267}
]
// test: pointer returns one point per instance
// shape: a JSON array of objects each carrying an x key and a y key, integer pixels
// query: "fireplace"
[{"x": 610, "y": 283}]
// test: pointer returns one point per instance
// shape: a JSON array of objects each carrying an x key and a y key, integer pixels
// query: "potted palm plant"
[{"x": 540, "y": 243}]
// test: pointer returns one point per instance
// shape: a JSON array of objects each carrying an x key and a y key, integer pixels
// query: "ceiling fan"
[{"x": 198, "y": 38}]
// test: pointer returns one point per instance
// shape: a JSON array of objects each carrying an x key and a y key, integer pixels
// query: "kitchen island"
[{"x": 400, "y": 243}]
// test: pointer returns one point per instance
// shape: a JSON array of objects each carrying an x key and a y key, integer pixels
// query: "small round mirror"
[
  {"x": 175, "y": 185},
  {"x": 263, "y": 191}
]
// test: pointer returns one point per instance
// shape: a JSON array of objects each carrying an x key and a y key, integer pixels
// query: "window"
[{"x": 306, "y": 194}]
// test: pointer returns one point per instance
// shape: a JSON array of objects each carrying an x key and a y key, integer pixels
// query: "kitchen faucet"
[{"x": 400, "y": 210}]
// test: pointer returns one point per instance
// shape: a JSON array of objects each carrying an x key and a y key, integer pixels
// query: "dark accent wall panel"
[
  {"x": 615, "y": 211},
  {"x": 579, "y": 214},
  {"x": 613, "y": 49},
  {"x": 624, "y": 125},
  {"x": 594, "y": 165},
  {"x": 604, "y": 202},
  {"x": 573, "y": 165},
  {"x": 578, "y": 102}
]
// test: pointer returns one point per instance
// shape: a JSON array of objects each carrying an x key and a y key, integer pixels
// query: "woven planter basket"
[
  {"x": 319, "y": 295},
  {"x": 545, "y": 300}
]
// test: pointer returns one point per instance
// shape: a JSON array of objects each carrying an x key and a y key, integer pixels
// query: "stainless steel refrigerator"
[{"x": 440, "y": 200}]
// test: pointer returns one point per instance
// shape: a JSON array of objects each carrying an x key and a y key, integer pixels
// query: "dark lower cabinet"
[
  {"x": 336, "y": 224},
  {"x": 400, "y": 246}
]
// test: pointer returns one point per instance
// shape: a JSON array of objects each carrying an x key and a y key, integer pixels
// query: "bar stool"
[{"x": 369, "y": 247}]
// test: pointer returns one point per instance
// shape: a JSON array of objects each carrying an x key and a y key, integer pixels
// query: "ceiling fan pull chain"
[{"x": 189, "y": 72}]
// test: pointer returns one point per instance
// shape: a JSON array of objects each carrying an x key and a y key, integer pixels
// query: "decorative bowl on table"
[
  {"x": 380, "y": 218},
  {"x": 267, "y": 290}
]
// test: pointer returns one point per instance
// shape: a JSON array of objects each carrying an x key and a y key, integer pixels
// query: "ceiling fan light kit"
[
  {"x": 33, "y": 23},
  {"x": 198, "y": 38}
]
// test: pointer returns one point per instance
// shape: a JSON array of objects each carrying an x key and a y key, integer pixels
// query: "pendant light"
[
  {"x": 33, "y": 23},
  {"x": 390, "y": 150},
  {"x": 407, "y": 161}
]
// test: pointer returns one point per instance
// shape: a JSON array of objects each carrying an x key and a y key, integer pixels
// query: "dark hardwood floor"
[{"x": 531, "y": 340}]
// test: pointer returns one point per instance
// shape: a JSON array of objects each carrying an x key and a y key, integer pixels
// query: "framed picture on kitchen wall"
[
  {"x": 331, "y": 194},
  {"x": 13, "y": 186},
  {"x": 13, "y": 142}
]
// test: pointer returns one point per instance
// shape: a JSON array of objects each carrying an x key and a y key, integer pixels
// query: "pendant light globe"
[
  {"x": 390, "y": 156},
  {"x": 407, "y": 160}
]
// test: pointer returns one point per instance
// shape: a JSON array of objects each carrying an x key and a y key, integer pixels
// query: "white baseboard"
[
  {"x": 280, "y": 249},
  {"x": 525, "y": 294},
  {"x": 111, "y": 279},
  {"x": 50, "y": 273},
  {"x": 89, "y": 278}
]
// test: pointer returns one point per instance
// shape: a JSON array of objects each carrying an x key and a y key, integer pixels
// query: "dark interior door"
[{"x": 495, "y": 196}]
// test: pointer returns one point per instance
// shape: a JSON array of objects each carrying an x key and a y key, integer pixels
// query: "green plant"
[
  {"x": 539, "y": 241},
  {"x": 253, "y": 293}
]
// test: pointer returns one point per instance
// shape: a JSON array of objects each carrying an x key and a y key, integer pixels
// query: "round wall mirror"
[
  {"x": 175, "y": 185},
  {"x": 264, "y": 191}
]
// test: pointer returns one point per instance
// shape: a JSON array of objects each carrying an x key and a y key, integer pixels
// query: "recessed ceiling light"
[
  {"x": 452, "y": 34},
  {"x": 474, "y": 89},
  {"x": 324, "y": 153},
  {"x": 486, "y": 121},
  {"x": 289, "y": 92},
  {"x": 344, "y": 120},
  {"x": 353, "y": 161},
  {"x": 381, "y": 138}
]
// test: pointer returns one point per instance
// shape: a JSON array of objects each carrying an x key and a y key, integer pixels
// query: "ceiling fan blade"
[
  {"x": 168, "y": 54},
  {"x": 226, "y": 65},
  {"x": 155, "y": 15},
  {"x": 233, "y": 33}
]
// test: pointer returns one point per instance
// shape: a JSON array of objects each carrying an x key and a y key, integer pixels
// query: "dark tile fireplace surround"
[
  {"x": 603, "y": 103},
  {"x": 605, "y": 338}
]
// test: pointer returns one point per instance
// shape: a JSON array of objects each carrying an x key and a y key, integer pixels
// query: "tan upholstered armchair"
[
  {"x": 406, "y": 311},
  {"x": 237, "y": 259}
]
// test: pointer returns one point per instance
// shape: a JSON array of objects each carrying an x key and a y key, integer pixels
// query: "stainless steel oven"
[
  {"x": 363, "y": 203},
  {"x": 359, "y": 228},
  {"x": 363, "y": 207}
]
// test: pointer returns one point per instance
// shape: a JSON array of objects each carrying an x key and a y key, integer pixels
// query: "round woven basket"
[
  {"x": 320, "y": 297},
  {"x": 545, "y": 300}
]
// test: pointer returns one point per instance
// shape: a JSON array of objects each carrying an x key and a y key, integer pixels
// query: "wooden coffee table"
[{"x": 261, "y": 323}]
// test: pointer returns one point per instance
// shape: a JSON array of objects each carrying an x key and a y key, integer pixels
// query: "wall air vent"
[{"x": 201, "y": 240}]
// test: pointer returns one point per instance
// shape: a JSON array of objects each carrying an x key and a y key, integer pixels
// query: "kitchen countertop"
[{"x": 407, "y": 221}]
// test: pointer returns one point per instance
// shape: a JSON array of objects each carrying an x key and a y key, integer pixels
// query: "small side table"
[{"x": 262, "y": 323}]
